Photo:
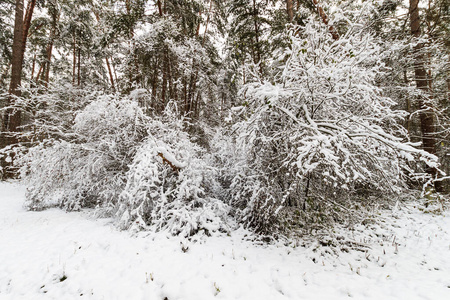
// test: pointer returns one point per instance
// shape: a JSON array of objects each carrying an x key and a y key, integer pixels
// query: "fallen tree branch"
[{"x": 165, "y": 160}]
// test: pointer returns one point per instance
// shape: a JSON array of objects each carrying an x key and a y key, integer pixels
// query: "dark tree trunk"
[
  {"x": 74, "y": 59},
  {"x": 159, "y": 8},
  {"x": 79, "y": 67},
  {"x": 408, "y": 103},
  {"x": 39, "y": 72},
  {"x": 257, "y": 56},
  {"x": 185, "y": 94},
  {"x": 154, "y": 84},
  {"x": 114, "y": 70},
  {"x": 290, "y": 10},
  {"x": 49, "y": 50},
  {"x": 191, "y": 92},
  {"x": 27, "y": 23},
  {"x": 46, "y": 73},
  {"x": 17, "y": 57},
  {"x": 110, "y": 74},
  {"x": 325, "y": 19},
  {"x": 11, "y": 117},
  {"x": 164, "y": 82},
  {"x": 427, "y": 122},
  {"x": 172, "y": 95}
]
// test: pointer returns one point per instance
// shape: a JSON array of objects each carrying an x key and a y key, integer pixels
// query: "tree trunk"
[
  {"x": 155, "y": 85},
  {"x": 290, "y": 10},
  {"x": 164, "y": 81},
  {"x": 79, "y": 67},
  {"x": 110, "y": 73},
  {"x": 33, "y": 65},
  {"x": 114, "y": 69},
  {"x": 172, "y": 86},
  {"x": 108, "y": 65},
  {"x": 17, "y": 58},
  {"x": 74, "y": 59},
  {"x": 207, "y": 22},
  {"x": 448, "y": 89},
  {"x": 41, "y": 66},
  {"x": 159, "y": 8},
  {"x": 427, "y": 122},
  {"x": 11, "y": 118},
  {"x": 325, "y": 19},
  {"x": 408, "y": 103},
  {"x": 191, "y": 92},
  {"x": 185, "y": 94},
  {"x": 26, "y": 24},
  {"x": 257, "y": 57},
  {"x": 49, "y": 50}
]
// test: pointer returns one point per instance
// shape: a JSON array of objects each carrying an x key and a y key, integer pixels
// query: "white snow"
[
  {"x": 409, "y": 259},
  {"x": 170, "y": 157}
]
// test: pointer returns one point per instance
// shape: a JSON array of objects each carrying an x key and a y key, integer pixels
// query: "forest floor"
[{"x": 57, "y": 255}]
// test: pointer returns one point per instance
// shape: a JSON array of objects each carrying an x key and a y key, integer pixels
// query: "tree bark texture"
[
  {"x": 49, "y": 50},
  {"x": 290, "y": 10},
  {"x": 11, "y": 121},
  {"x": 74, "y": 59},
  {"x": 12, "y": 118},
  {"x": 26, "y": 24},
  {"x": 421, "y": 78},
  {"x": 111, "y": 78},
  {"x": 79, "y": 67},
  {"x": 427, "y": 122},
  {"x": 17, "y": 47}
]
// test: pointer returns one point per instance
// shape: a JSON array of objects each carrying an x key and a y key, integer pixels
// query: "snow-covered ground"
[{"x": 57, "y": 255}]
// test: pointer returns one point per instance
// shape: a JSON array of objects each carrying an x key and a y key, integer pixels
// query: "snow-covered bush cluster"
[
  {"x": 170, "y": 184},
  {"x": 144, "y": 170},
  {"x": 309, "y": 146},
  {"x": 319, "y": 134},
  {"x": 85, "y": 169}
]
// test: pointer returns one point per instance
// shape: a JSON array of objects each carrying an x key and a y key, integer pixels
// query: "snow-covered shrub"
[
  {"x": 88, "y": 169},
  {"x": 228, "y": 159},
  {"x": 47, "y": 113},
  {"x": 144, "y": 170},
  {"x": 169, "y": 185},
  {"x": 320, "y": 132}
]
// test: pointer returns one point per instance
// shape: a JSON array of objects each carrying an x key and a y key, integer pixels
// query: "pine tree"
[
  {"x": 427, "y": 118},
  {"x": 12, "y": 117},
  {"x": 6, "y": 39}
]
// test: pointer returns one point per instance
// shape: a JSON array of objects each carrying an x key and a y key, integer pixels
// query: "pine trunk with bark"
[
  {"x": 427, "y": 122},
  {"x": 12, "y": 118},
  {"x": 111, "y": 78},
  {"x": 27, "y": 24},
  {"x": 290, "y": 10},
  {"x": 49, "y": 50},
  {"x": 74, "y": 60}
]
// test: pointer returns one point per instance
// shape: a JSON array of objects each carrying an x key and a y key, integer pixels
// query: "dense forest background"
[{"x": 188, "y": 116}]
